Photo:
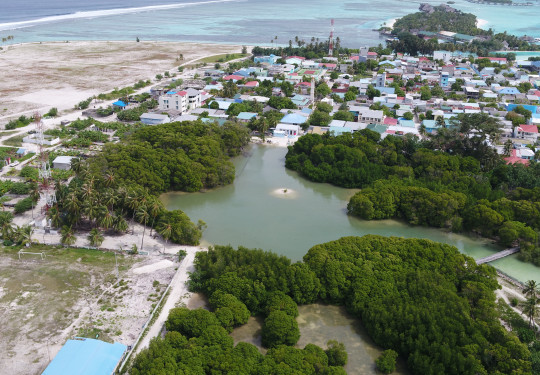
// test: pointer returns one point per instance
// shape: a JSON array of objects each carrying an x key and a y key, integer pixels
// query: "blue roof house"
[
  {"x": 246, "y": 116},
  {"x": 293, "y": 119},
  {"x": 83, "y": 356},
  {"x": 508, "y": 91}
]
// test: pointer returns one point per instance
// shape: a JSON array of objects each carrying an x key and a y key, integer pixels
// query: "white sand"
[
  {"x": 153, "y": 267},
  {"x": 480, "y": 23},
  {"x": 38, "y": 76},
  {"x": 390, "y": 23}
]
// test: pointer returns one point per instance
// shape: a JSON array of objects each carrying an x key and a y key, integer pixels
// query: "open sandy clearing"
[
  {"x": 72, "y": 292},
  {"x": 60, "y": 74}
]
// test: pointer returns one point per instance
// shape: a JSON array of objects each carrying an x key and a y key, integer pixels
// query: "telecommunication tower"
[
  {"x": 331, "y": 42},
  {"x": 46, "y": 190}
]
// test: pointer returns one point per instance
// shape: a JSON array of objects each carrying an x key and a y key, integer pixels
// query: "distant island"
[{"x": 444, "y": 27}]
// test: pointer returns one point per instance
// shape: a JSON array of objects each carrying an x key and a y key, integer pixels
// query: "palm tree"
[
  {"x": 73, "y": 205},
  {"x": 106, "y": 220},
  {"x": 95, "y": 237},
  {"x": 165, "y": 229},
  {"x": 155, "y": 207},
  {"x": 24, "y": 234},
  {"x": 110, "y": 198},
  {"x": 76, "y": 165},
  {"x": 531, "y": 289},
  {"x": 109, "y": 179},
  {"x": 68, "y": 236},
  {"x": 530, "y": 308},
  {"x": 120, "y": 224},
  {"x": 54, "y": 215},
  {"x": 143, "y": 215},
  {"x": 508, "y": 146}
]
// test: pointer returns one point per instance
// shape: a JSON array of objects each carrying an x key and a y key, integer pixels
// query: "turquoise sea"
[{"x": 231, "y": 21}]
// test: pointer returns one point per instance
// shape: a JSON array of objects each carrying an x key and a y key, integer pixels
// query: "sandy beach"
[{"x": 38, "y": 76}]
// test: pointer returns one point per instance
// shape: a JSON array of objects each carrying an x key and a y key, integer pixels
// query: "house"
[
  {"x": 85, "y": 356},
  {"x": 154, "y": 119},
  {"x": 529, "y": 132},
  {"x": 233, "y": 77},
  {"x": 367, "y": 115},
  {"x": 516, "y": 157},
  {"x": 63, "y": 162},
  {"x": 246, "y": 116},
  {"x": 173, "y": 100},
  {"x": 21, "y": 152},
  {"x": 287, "y": 130},
  {"x": 293, "y": 119}
]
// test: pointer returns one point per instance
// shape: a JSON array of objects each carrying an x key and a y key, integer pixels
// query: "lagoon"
[
  {"x": 233, "y": 21},
  {"x": 256, "y": 212}
]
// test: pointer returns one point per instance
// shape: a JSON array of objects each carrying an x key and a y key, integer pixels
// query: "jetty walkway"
[{"x": 499, "y": 255}]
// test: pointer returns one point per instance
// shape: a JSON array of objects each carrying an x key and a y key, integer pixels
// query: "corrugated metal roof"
[{"x": 86, "y": 357}]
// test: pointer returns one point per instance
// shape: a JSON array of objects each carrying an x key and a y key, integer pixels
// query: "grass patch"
[
  {"x": 14, "y": 141},
  {"x": 26, "y": 157},
  {"x": 3, "y": 134}
]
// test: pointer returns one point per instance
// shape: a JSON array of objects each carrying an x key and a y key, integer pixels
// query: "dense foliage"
[
  {"x": 462, "y": 186},
  {"x": 197, "y": 341},
  {"x": 458, "y": 22},
  {"x": 176, "y": 156},
  {"x": 424, "y": 300},
  {"x": 124, "y": 180}
]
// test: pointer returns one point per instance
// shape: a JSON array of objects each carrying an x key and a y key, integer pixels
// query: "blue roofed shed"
[
  {"x": 86, "y": 357},
  {"x": 21, "y": 151},
  {"x": 120, "y": 104}
]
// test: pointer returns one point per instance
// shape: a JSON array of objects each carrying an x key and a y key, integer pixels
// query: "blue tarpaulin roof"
[
  {"x": 86, "y": 357},
  {"x": 119, "y": 103}
]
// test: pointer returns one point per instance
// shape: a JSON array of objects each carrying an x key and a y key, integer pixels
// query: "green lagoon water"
[{"x": 256, "y": 213}]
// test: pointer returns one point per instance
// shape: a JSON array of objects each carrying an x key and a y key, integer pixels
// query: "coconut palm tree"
[
  {"x": 143, "y": 215},
  {"x": 155, "y": 207},
  {"x": 531, "y": 289},
  {"x": 95, "y": 237},
  {"x": 530, "y": 308},
  {"x": 54, "y": 215},
  {"x": 110, "y": 198},
  {"x": 68, "y": 236},
  {"x": 109, "y": 179},
  {"x": 24, "y": 234},
  {"x": 106, "y": 220},
  {"x": 119, "y": 224},
  {"x": 165, "y": 229}
]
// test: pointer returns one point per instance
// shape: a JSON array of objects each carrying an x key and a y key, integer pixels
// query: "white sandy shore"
[{"x": 480, "y": 23}]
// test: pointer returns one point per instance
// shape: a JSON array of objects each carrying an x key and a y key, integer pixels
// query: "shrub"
[
  {"x": 279, "y": 329},
  {"x": 386, "y": 363},
  {"x": 23, "y": 205}
]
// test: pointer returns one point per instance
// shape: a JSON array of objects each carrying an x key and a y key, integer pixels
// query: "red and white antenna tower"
[
  {"x": 46, "y": 190},
  {"x": 331, "y": 43}
]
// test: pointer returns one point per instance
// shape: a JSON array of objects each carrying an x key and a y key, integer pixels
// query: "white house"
[
  {"x": 63, "y": 162},
  {"x": 287, "y": 129},
  {"x": 180, "y": 101}
]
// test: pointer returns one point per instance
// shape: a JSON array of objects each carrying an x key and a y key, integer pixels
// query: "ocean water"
[{"x": 231, "y": 21}]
